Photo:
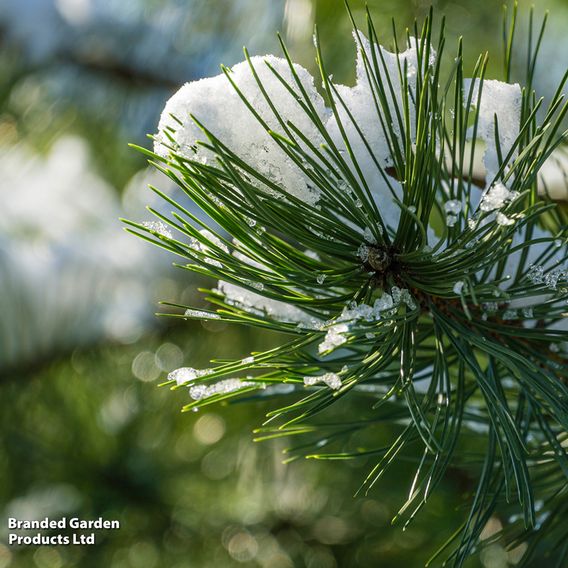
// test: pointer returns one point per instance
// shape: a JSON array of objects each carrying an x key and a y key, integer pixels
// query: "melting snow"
[
  {"x": 199, "y": 392},
  {"x": 332, "y": 380},
  {"x": 187, "y": 374},
  {"x": 501, "y": 100},
  {"x": 215, "y": 103},
  {"x": 497, "y": 196}
]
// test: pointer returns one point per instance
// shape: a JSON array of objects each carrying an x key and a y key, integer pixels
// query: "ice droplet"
[
  {"x": 158, "y": 227},
  {"x": 201, "y": 314}
]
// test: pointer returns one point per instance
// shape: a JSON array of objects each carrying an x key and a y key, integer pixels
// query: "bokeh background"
[{"x": 84, "y": 429}]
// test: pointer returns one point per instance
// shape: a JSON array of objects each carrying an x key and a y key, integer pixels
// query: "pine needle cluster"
[{"x": 412, "y": 291}]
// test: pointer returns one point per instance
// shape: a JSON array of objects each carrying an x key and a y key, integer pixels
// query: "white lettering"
[
  {"x": 84, "y": 539},
  {"x": 98, "y": 524}
]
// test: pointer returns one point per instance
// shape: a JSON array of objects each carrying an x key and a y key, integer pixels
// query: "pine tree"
[{"x": 412, "y": 286}]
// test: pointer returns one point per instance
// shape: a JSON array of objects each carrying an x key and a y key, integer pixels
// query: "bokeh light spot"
[{"x": 209, "y": 429}]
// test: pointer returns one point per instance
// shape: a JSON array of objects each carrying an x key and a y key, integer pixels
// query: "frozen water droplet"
[{"x": 158, "y": 227}]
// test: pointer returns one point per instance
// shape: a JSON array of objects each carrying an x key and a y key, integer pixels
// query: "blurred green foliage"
[
  {"x": 89, "y": 434},
  {"x": 84, "y": 437}
]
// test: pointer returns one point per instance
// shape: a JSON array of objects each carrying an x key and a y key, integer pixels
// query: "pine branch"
[{"x": 406, "y": 276}]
